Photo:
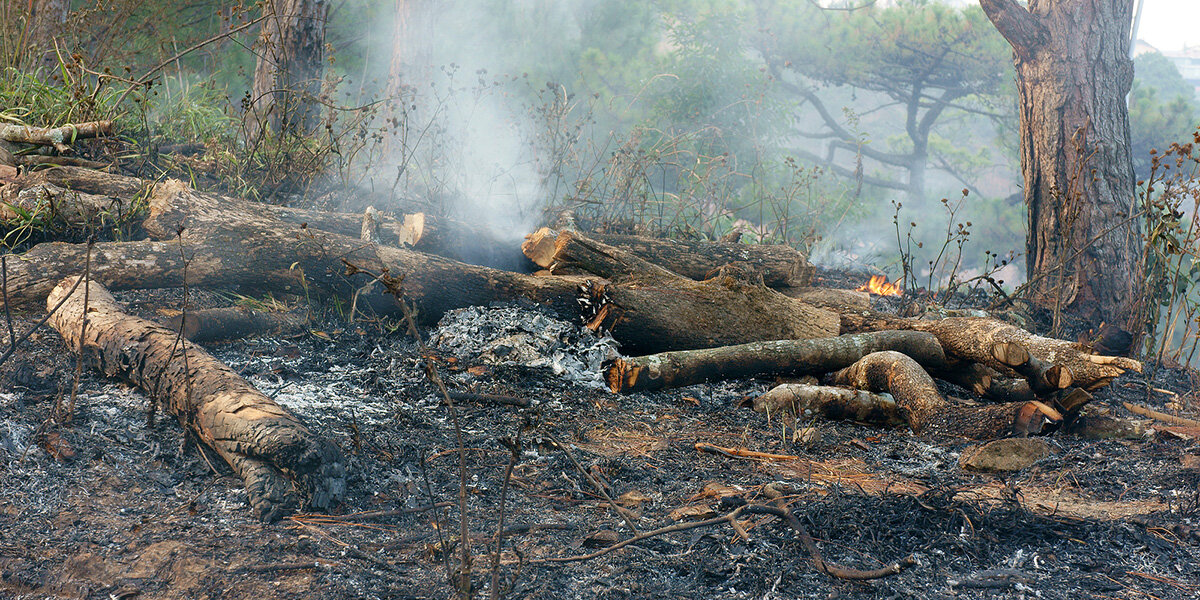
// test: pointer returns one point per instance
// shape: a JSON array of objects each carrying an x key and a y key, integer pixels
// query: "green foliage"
[{"x": 1162, "y": 109}]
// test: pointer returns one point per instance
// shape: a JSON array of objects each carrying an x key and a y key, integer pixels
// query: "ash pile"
[{"x": 529, "y": 337}]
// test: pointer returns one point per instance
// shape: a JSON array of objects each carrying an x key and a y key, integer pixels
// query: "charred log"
[
  {"x": 235, "y": 322},
  {"x": 276, "y": 455}
]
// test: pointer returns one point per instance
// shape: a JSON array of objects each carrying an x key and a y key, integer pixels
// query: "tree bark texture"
[
  {"x": 777, "y": 264},
  {"x": 926, "y": 411},
  {"x": 791, "y": 357},
  {"x": 1073, "y": 75},
  {"x": 280, "y": 459},
  {"x": 46, "y": 24},
  {"x": 287, "y": 74}
]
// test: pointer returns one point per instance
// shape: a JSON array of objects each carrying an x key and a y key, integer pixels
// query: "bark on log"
[
  {"x": 807, "y": 401},
  {"x": 278, "y": 457},
  {"x": 59, "y": 137},
  {"x": 235, "y": 322},
  {"x": 779, "y": 265},
  {"x": 927, "y": 412},
  {"x": 972, "y": 338},
  {"x": 796, "y": 357}
]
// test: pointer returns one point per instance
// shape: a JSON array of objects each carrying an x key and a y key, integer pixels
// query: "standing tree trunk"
[
  {"x": 46, "y": 20},
  {"x": 287, "y": 76},
  {"x": 1073, "y": 73}
]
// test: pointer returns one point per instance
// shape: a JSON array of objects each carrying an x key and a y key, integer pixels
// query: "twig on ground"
[
  {"x": 742, "y": 453},
  {"x": 515, "y": 453},
  {"x": 491, "y": 398},
  {"x": 620, "y": 510},
  {"x": 1146, "y": 411},
  {"x": 12, "y": 334},
  {"x": 87, "y": 275}
]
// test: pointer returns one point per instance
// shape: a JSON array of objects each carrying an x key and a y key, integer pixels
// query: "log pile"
[{"x": 684, "y": 312}]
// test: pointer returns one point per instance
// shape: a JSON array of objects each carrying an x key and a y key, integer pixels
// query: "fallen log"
[
  {"x": 927, "y": 412},
  {"x": 48, "y": 202},
  {"x": 59, "y": 137},
  {"x": 778, "y": 357},
  {"x": 972, "y": 339},
  {"x": 778, "y": 265},
  {"x": 235, "y": 322},
  {"x": 650, "y": 309},
  {"x": 835, "y": 403},
  {"x": 279, "y": 458}
]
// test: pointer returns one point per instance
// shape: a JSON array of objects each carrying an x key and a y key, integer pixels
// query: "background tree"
[
  {"x": 47, "y": 19},
  {"x": 1073, "y": 74},
  {"x": 1162, "y": 109},
  {"x": 927, "y": 60},
  {"x": 287, "y": 75}
]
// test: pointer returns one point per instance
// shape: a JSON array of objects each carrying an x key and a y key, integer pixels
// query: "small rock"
[
  {"x": 1003, "y": 456},
  {"x": 807, "y": 436}
]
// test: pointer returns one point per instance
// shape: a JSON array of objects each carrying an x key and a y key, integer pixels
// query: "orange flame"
[{"x": 879, "y": 286}]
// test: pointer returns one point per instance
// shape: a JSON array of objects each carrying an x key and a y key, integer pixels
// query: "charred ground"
[{"x": 112, "y": 505}]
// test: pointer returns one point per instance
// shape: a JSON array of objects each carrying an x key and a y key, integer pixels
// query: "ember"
[{"x": 879, "y": 286}]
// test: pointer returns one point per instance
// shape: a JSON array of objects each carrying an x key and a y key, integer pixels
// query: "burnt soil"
[{"x": 117, "y": 504}]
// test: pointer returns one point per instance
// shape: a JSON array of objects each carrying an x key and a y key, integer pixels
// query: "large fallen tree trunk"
[
  {"x": 927, "y": 412},
  {"x": 278, "y": 457},
  {"x": 778, "y": 265}
]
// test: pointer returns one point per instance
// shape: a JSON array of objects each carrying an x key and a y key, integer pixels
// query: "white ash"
[{"x": 514, "y": 335}]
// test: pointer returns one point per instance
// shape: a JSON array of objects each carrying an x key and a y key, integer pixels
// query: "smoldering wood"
[
  {"x": 972, "y": 338},
  {"x": 808, "y": 401},
  {"x": 778, "y": 265},
  {"x": 244, "y": 245},
  {"x": 922, "y": 406},
  {"x": 791, "y": 357},
  {"x": 236, "y": 322},
  {"x": 650, "y": 309},
  {"x": 59, "y": 137},
  {"x": 227, "y": 245},
  {"x": 283, "y": 463}
]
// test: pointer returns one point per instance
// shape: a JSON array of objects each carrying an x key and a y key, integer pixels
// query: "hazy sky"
[{"x": 1171, "y": 24}]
